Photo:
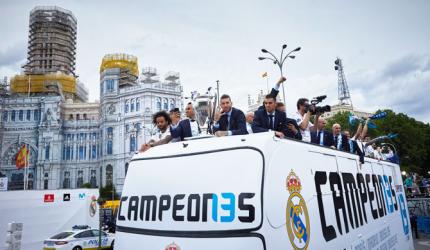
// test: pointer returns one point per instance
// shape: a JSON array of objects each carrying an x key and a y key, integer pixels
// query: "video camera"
[{"x": 318, "y": 109}]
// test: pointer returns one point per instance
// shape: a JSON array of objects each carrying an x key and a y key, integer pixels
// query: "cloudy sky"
[{"x": 385, "y": 45}]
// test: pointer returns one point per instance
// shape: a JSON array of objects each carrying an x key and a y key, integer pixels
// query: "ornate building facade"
[{"x": 73, "y": 142}]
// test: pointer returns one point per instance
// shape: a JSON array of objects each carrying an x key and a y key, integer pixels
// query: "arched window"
[
  {"x": 126, "y": 106},
  {"x": 137, "y": 104},
  {"x": 132, "y": 105},
  {"x": 109, "y": 175},
  {"x": 158, "y": 104},
  {"x": 109, "y": 149},
  {"x": 165, "y": 104},
  {"x": 110, "y": 133},
  {"x": 172, "y": 104}
]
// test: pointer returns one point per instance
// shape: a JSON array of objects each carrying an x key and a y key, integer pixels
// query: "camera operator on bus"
[{"x": 302, "y": 117}]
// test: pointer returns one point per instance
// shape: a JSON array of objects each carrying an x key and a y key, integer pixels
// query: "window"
[
  {"x": 137, "y": 104},
  {"x": 132, "y": 105},
  {"x": 85, "y": 234},
  {"x": 172, "y": 104},
  {"x": 165, "y": 104},
  {"x": 93, "y": 179},
  {"x": 81, "y": 153},
  {"x": 110, "y": 85},
  {"x": 45, "y": 181},
  {"x": 68, "y": 152},
  {"x": 5, "y": 114},
  {"x": 127, "y": 128},
  {"x": 109, "y": 175},
  {"x": 132, "y": 143},
  {"x": 126, "y": 168},
  {"x": 21, "y": 115},
  {"x": 37, "y": 115},
  {"x": 126, "y": 106},
  {"x": 109, "y": 148},
  {"x": 12, "y": 117},
  {"x": 110, "y": 133},
  {"x": 28, "y": 115},
  {"x": 66, "y": 181},
  {"x": 93, "y": 152},
  {"x": 158, "y": 103},
  {"x": 80, "y": 180},
  {"x": 47, "y": 152}
]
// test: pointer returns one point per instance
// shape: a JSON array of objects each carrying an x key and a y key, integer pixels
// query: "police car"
[{"x": 80, "y": 238}]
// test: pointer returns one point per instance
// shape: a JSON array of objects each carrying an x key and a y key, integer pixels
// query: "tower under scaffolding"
[
  {"x": 127, "y": 64},
  {"x": 343, "y": 91}
]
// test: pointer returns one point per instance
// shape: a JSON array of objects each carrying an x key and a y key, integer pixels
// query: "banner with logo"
[{"x": 3, "y": 183}]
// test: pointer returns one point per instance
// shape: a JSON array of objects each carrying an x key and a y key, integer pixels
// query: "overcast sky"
[{"x": 385, "y": 45}]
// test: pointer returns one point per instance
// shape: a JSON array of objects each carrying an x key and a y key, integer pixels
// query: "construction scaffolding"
[
  {"x": 127, "y": 64},
  {"x": 51, "y": 41}
]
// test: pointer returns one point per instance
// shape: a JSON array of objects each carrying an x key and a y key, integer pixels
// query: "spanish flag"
[
  {"x": 22, "y": 157},
  {"x": 264, "y": 74}
]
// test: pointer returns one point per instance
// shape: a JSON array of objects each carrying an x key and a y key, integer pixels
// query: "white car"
[{"x": 79, "y": 240}]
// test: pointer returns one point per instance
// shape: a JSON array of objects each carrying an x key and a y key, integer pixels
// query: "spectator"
[
  {"x": 271, "y": 119},
  {"x": 229, "y": 120},
  {"x": 162, "y": 120},
  {"x": 340, "y": 142},
  {"x": 321, "y": 136},
  {"x": 302, "y": 117},
  {"x": 175, "y": 116},
  {"x": 188, "y": 127},
  {"x": 413, "y": 219},
  {"x": 249, "y": 119}
]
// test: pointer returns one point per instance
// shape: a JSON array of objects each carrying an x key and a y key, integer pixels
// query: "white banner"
[{"x": 3, "y": 183}]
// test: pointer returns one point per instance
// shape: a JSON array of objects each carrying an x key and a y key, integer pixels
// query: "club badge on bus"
[{"x": 297, "y": 217}]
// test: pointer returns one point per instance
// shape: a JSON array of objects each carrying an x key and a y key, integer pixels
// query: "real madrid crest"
[
  {"x": 297, "y": 217},
  {"x": 173, "y": 246}
]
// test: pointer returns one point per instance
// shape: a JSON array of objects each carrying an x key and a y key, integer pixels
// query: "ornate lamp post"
[{"x": 280, "y": 61}]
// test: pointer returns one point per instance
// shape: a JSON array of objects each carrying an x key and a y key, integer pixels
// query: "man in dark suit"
[
  {"x": 275, "y": 90},
  {"x": 340, "y": 141},
  {"x": 188, "y": 127},
  {"x": 271, "y": 119},
  {"x": 229, "y": 120},
  {"x": 321, "y": 136}
]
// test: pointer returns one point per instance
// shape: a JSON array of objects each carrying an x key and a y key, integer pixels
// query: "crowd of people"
[{"x": 271, "y": 116}]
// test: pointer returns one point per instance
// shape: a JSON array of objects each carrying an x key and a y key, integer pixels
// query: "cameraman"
[{"x": 302, "y": 117}]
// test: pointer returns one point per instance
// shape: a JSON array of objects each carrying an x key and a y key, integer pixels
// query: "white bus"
[{"x": 260, "y": 192}]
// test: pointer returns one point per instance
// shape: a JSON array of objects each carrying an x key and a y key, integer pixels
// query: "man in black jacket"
[
  {"x": 321, "y": 136},
  {"x": 271, "y": 119},
  {"x": 229, "y": 120},
  {"x": 340, "y": 141}
]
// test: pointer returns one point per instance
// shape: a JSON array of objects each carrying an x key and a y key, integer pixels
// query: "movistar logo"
[{"x": 221, "y": 207}]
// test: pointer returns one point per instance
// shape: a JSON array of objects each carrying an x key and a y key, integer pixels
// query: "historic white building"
[{"x": 72, "y": 141}]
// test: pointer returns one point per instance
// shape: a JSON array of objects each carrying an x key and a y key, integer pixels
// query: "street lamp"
[{"x": 280, "y": 61}]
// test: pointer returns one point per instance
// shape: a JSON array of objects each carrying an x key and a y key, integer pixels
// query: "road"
[{"x": 423, "y": 243}]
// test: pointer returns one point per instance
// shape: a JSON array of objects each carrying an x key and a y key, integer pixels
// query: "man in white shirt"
[
  {"x": 162, "y": 120},
  {"x": 302, "y": 117}
]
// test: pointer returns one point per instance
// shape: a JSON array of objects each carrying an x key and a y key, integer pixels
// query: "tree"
[{"x": 106, "y": 192}]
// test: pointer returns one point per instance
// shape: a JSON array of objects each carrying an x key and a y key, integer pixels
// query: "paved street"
[{"x": 423, "y": 243}]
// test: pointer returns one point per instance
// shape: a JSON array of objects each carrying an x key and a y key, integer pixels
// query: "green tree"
[{"x": 106, "y": 192}]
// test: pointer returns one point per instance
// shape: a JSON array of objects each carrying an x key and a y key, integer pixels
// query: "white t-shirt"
[
  {"x": 306, "y": 134},
  {"x": 160, "y": 135}
]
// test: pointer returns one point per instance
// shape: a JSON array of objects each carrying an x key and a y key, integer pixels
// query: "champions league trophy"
[{"x": 204, "y": 105}]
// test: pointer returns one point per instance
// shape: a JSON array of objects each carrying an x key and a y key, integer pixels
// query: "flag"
[
  {"x": 378, "y": 115},
  {"x": 352, "y": 119},
  {"x": 371, "y": 124},
  {"x": 264, "y": 74},
  {"x": 22, "y": 157}
]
